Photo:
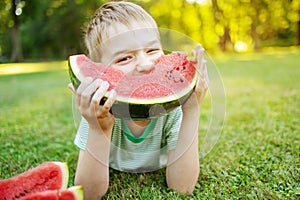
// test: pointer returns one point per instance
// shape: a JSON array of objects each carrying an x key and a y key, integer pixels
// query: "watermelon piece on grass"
[
  {"x": 72, "y": 193},
  {"x": 150, "y": 95},
  {"x": 47, "y": 176}
]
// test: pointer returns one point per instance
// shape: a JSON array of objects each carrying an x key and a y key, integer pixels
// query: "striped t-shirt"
[{"x": 145, "y": 153}]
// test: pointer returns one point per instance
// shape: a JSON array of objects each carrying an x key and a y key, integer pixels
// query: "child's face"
[{"x": 132, "y": 50}]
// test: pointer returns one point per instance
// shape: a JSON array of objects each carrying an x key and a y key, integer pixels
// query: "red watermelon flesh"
[
  {"x": 171, "y": 75},
  {"x": 47, "y": 176},
  {"x": 87, "y": 68},
  {"x": 72, "y": 193}
]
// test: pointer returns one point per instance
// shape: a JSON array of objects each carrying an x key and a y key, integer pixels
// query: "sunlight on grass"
[
  {"x": 22, "y": 68},
  {"x": 249, "y": 56}
]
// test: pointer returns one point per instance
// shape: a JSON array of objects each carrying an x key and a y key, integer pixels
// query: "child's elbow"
[
  {"x": 184, "y": 184},
  {"x": 92, "y": 191},
  {"x": 186, "y": 190}
]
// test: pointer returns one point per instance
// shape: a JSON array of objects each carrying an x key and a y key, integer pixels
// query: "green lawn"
[{"x": 256, "y": 157}]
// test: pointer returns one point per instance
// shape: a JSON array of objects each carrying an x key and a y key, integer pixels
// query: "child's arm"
[
  {"x": 92, "y": 167},
  {"x": 183, "y": 161},
  {"x": 92, "y": 171},
  {"x": 183, "y": 164}
]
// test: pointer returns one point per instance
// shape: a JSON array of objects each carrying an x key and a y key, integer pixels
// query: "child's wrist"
[
  {"x": 97, "y": 138},
  {"x": 97, "y": 130},
  {"x": 98, "y": 146},
  {"x": 191, "y": 108},
  {"x": 191, "y": 111}
]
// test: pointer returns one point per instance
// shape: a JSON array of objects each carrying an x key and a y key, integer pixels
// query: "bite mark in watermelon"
[
  {"x": 47, "y": 176},
  {"x": 167, "y": 86},
  {"x": 72, "y": 193}
]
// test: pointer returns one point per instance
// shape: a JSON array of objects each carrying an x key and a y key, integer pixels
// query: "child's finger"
[
  {"x": 206, "y": 78},
  {"x": 202, "y": 67},
  {"x": 84, "y": 84},
  {"x": 199, "y": 55},
  {"x": 109, "y": 102},
  {"x": 81, "y": 88},
  {"x": 98, "y": 95},
  {"x": 71, "y": 87},
  {"x": 195, "y": 50},
  {"x": 87, "y": 94},
  {"x": 203, "y": 76}
]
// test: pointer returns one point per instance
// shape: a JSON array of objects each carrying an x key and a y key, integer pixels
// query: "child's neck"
[{"x": 137, "y": 127}]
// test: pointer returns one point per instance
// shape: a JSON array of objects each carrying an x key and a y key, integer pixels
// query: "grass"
[{"x": 256, "y": 156}]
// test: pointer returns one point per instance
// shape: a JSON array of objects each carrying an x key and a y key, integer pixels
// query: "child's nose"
[{"x": 145, "y": 63}]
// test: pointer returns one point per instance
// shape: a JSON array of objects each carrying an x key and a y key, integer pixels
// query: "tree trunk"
[
  {"x": 299, "y": 26},
  {"x": 16, "y": 55},
  {"x": 225, "y": 39},
  {"x": 254, "y": 24},
  {"x": 255, "y": 36}
]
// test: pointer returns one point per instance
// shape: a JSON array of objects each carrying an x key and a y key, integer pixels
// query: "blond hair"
[{"x": 107, "y": 15}]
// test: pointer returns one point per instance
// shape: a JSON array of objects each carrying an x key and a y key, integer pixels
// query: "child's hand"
[
  {"x": 88, "y": 96},
  {"x": 203, "y": 80},
  {"x": 202, "y": 83}
]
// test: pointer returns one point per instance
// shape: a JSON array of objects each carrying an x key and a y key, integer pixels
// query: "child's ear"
[{"x": 71, "y": 87}]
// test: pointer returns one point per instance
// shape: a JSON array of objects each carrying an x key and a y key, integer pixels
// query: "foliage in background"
[
  {"x": 239, "y": 25},
  {"x": 48, "y": 29},
  {"x": 53, "y": 29}
]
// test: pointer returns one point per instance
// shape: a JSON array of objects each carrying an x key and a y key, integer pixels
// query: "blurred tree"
[
  {"x": 222, "y": 21},
  {"x": 16, "y": 10},
  {"x": 298, "y": 25},
  {"x": 45, "y": 29},
  {"x": 254, "y": 15},
  {"x": 55, "y": 27}
]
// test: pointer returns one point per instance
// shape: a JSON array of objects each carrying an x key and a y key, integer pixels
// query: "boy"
[{"x": 124, "y": 36}]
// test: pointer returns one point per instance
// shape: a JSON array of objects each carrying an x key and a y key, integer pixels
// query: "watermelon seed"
[{"x": 53, "y": 174}]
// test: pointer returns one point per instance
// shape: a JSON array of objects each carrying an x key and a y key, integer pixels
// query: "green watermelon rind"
[
  {"x": 77, "y": 192},
  {"x": 146, "y": 111},
  {"x": 131, "y": 108},
  {"x": 74, "y": 80},
  {"x": 65, "y": 172}
]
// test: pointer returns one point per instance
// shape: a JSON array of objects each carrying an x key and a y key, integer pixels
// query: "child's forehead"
[
  {"x": 132, "y": 39},
  {"x": 117, "y": 29},
  {"x": 136, "y": 34}
]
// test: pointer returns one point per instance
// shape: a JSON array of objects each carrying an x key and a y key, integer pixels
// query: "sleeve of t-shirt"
[
  {"x": 82, "y": 134},
  {"x": 172, "y": 127}
]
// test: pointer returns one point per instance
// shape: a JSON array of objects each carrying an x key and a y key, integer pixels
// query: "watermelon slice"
[
  {"x": 146, "y": 96},
  {"x": 47, "y": 176},
  {"x": 72, "y": 193}
]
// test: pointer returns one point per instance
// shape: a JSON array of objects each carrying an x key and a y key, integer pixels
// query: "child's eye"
[
  {"x": 123, "y": 60},
  {"x": 150, "y": 51}
]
